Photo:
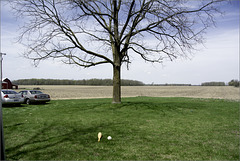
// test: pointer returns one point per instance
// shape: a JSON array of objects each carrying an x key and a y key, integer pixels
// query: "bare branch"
[{"x": 88, "y": 33}]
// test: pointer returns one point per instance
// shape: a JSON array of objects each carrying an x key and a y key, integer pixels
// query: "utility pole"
[{"x": 1, "y": 120}]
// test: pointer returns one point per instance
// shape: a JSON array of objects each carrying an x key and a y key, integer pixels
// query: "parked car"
[
  {"x": 34, "y": 96},
  {"x": 11, "y": 97}
]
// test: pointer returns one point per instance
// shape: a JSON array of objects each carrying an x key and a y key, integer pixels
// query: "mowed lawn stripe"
[{"x": 142, "y": 128}]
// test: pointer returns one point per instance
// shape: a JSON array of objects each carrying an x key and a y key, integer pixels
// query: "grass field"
[{"x": 142, "y": 128}]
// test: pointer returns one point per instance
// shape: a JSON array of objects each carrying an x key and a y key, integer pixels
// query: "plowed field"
[{"x": 80, "y": 92}]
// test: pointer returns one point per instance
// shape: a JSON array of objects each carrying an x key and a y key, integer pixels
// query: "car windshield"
[
  {"x": 35, "y": 92},
  {"x": 9, "y": 92}
]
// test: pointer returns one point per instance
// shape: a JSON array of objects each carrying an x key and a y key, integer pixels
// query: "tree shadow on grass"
[
  {"x": 18, "y": 151},
  {"x": 48, "y": 145},
  {"x": 162, "y": 105},
  {"x": 24, "y": 105},
  {"x": 12, "y": 105},
  {"x": 162, "y": 108}
]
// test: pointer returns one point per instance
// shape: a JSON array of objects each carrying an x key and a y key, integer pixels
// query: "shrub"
[{"x": 234, "y": 82}]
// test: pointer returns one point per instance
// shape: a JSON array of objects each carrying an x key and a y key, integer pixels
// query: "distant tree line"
[
  {"x": 213, "y": 84},
  {"x": 91, "y": 82},
  {"x": 168, "y": 84},
  {"x": 233, "y": 82},
  {"x": 109, "y": 82}
]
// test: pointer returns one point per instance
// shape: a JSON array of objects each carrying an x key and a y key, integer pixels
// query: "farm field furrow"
[{"x": 82, "y": 92}]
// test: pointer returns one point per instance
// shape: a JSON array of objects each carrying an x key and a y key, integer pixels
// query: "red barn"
[{"x": 7, "y": 84}]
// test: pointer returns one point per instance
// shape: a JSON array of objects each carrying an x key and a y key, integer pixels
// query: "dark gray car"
[{"x": 34, "y": 96}]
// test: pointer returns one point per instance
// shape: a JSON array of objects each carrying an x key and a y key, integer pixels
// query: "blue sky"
[{"x": 217, "y": 61}]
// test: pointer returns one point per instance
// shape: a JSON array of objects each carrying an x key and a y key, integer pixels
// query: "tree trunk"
[{"x": 116, "y": 84}]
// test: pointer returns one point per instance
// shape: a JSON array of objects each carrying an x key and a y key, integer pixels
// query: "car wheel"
[{"x": 28, "y": 101}]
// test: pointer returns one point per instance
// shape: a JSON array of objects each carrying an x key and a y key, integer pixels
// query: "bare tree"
[{"x": 93, "y": 32}]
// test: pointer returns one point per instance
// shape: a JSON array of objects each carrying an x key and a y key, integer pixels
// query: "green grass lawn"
[{"x": 142, "y": 128}]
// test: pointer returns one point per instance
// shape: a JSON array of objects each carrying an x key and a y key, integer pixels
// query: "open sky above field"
[{"x": 217, "y": 60}]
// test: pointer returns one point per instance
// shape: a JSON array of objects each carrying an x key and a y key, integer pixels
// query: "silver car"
[
  {"x": 11, "y": 97},
  {"x": 34, "y": 96}
]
